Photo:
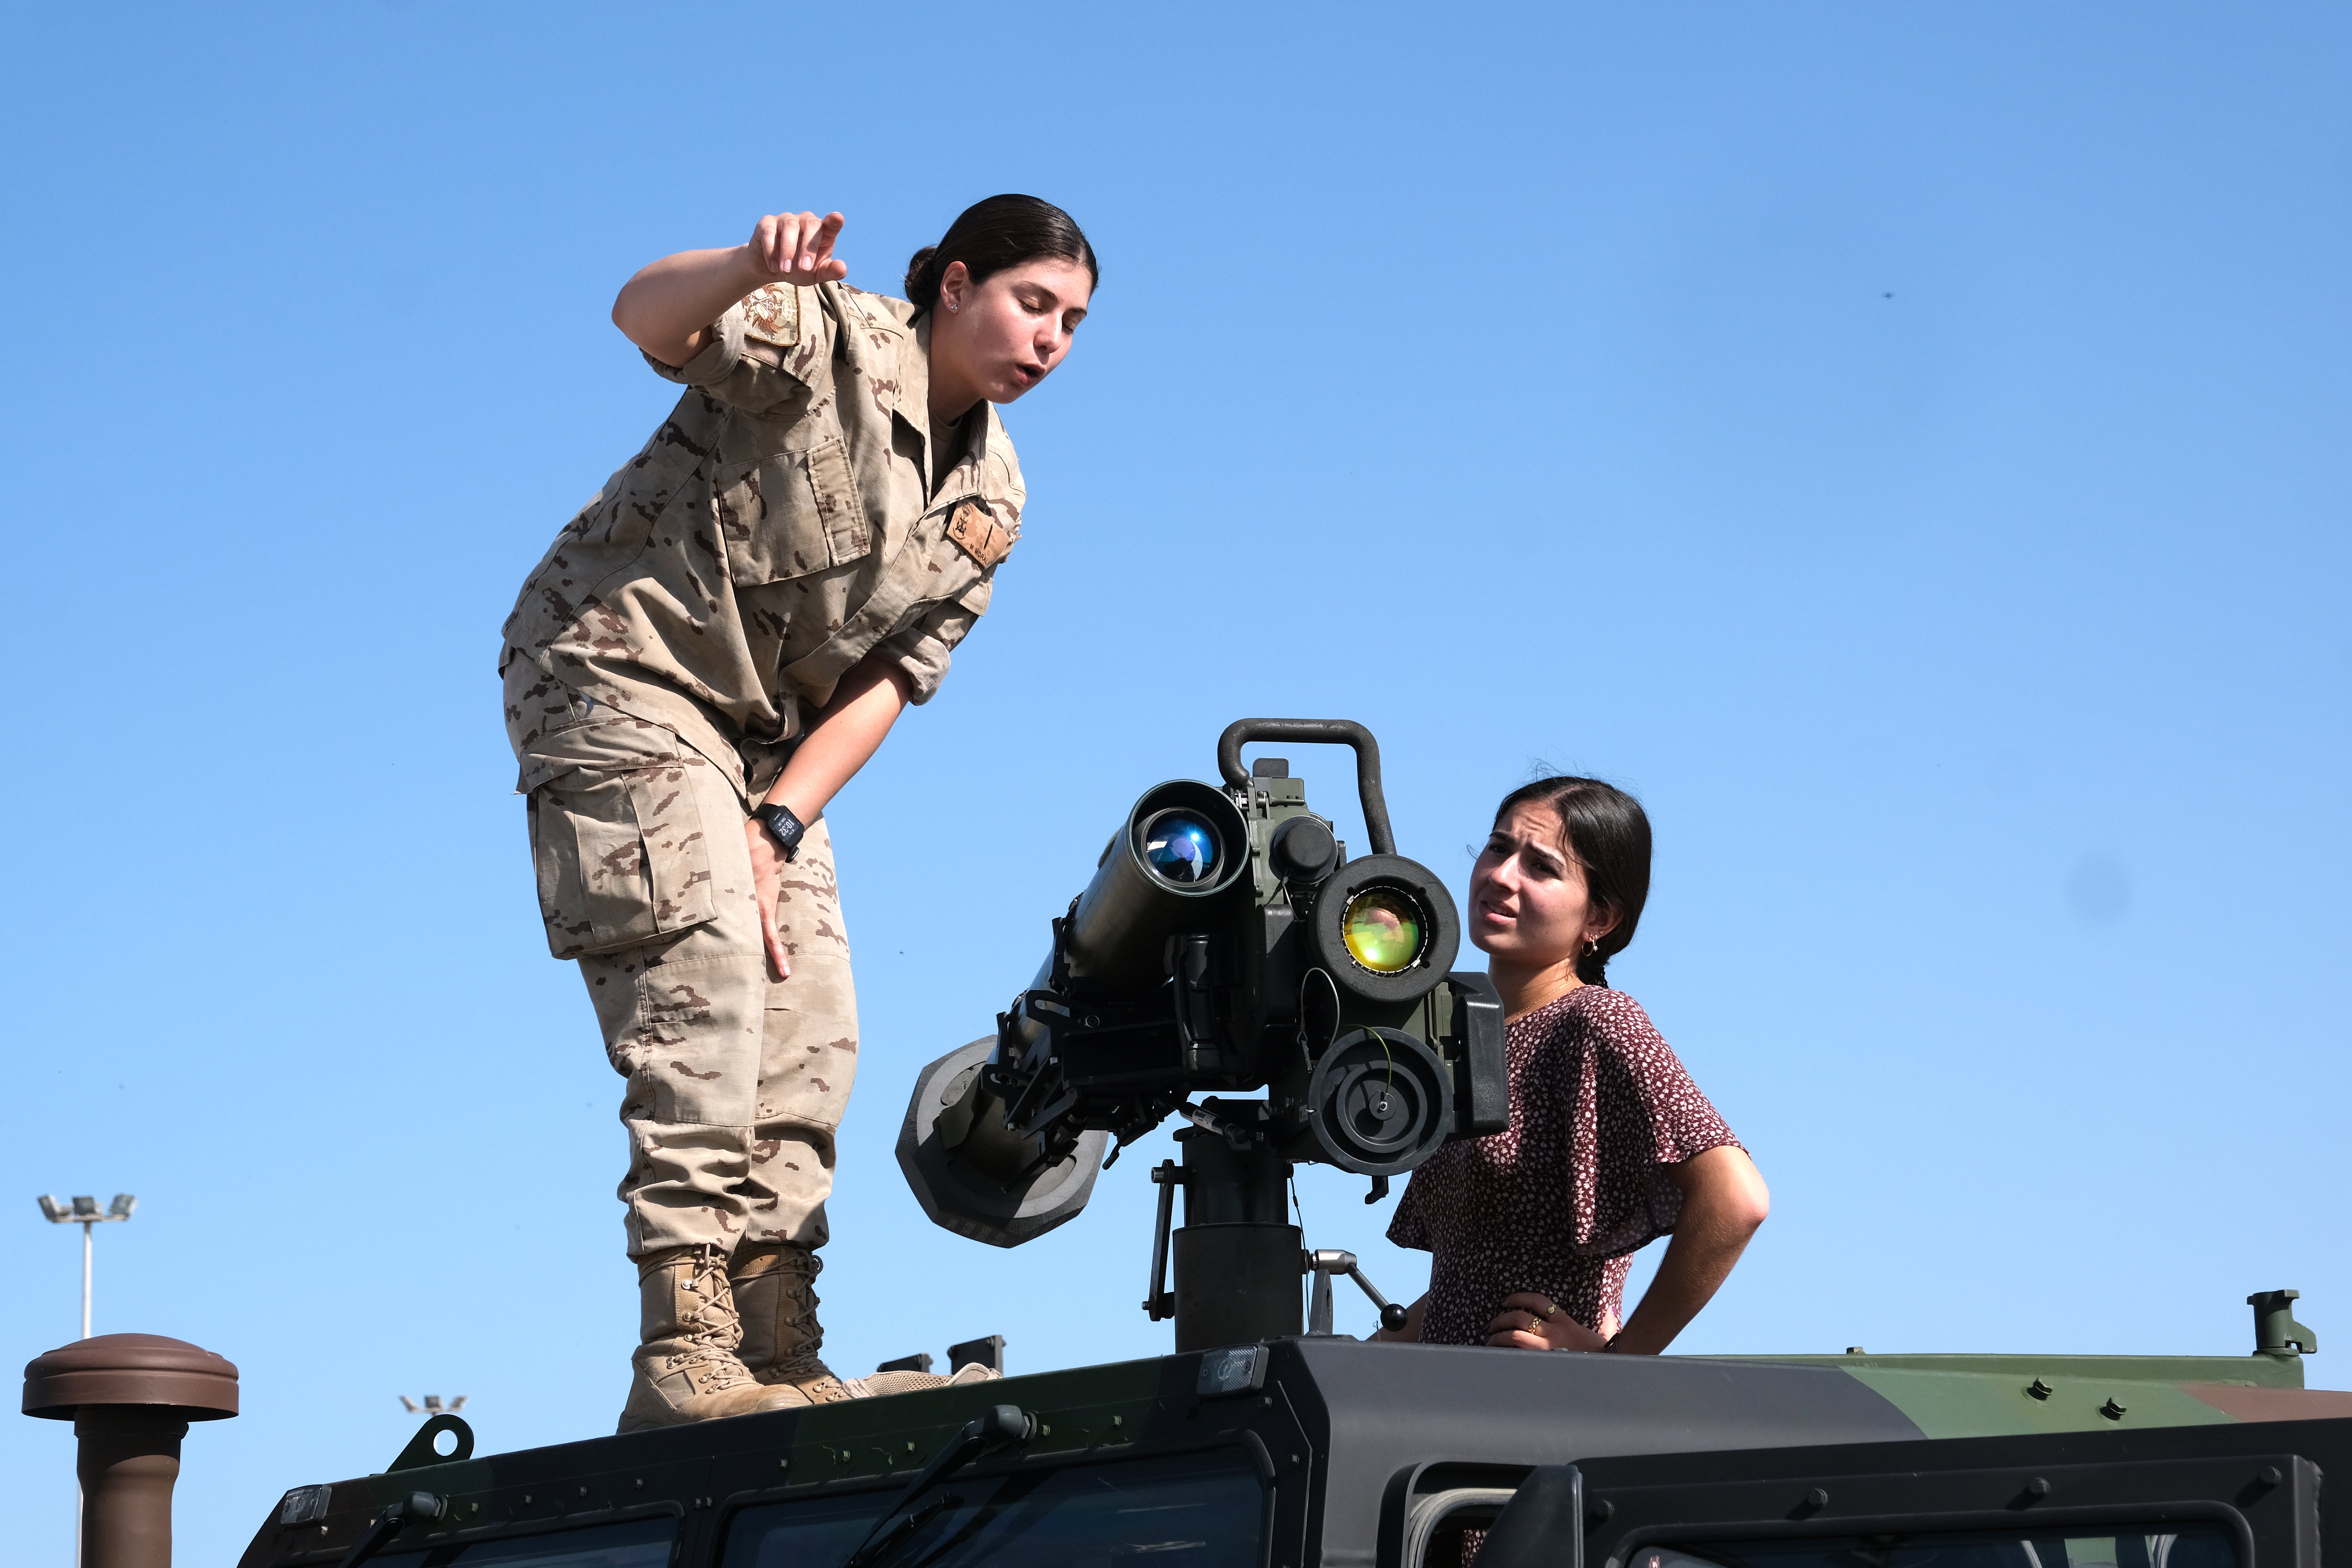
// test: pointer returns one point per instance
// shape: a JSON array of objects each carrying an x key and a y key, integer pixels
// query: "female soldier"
[
  {"x": 710, "y": 652},
  {"x": 1610, "y": 1143}
]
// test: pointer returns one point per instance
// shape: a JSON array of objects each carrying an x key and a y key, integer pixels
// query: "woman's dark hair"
[
  {"x": 1609, "y": 835},
  {"x": 995, "y": 234}
]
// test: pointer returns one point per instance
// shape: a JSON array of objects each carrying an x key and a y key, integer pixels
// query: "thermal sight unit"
[{"x": 1225, "y": 946}]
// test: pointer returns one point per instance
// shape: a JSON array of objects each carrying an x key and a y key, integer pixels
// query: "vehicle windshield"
[
  {"x": 634, "y": 1543},
  {"x": 1194, "y": 1510},
  {"x": 2185, "y": 1546}
]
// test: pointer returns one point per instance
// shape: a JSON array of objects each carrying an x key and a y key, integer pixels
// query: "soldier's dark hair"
[
  {"x": 1609, "y": 834},
  {"x": 989, "y": 236}
]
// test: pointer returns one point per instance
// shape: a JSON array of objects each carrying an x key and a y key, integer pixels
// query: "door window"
[{"x": 2187, "y": 1546}]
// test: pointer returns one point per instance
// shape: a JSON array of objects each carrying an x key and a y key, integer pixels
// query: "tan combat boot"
[
  {"x": 686, "y": 1368},
  {"x": 775, "y": 1290}
]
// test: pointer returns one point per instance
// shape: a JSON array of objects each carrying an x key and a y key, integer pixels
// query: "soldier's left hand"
[
  {"x": 1532, "y": 1322},
  {"x": 767, "y": 874}
]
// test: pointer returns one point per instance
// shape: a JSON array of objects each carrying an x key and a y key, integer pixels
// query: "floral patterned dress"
[{"x": 1559, "y": 1201}]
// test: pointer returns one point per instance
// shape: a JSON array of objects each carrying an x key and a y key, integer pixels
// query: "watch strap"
[{"x": 785, "y": 829}]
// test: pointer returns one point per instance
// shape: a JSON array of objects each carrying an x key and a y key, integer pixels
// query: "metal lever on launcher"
[{"x": 1323, "y": 1263}]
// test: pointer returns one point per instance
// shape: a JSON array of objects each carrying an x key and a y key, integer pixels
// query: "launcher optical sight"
[{"x": 1225, "y": 946}]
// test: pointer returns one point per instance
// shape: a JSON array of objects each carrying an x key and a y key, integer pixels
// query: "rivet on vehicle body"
[
  {"x": 641, "y": 1483},
  {"x": 2038, "y": 1486},
  {"x": 1604, "y": 1512},
  {"x": 1817, "y": 1498},
  {"x": 2038, "y": 1389},
  {"x": 2113, "y": 1411},
  {"x": 526, "y": 1497},
  {"x": 2270, "y": 1476},
  {"x": 583, "y": 1491}
]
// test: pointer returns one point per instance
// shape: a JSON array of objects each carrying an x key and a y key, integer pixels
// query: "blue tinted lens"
[{"x": 1181, "y": 849}]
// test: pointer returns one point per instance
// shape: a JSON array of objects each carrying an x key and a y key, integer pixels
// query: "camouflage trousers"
[{"x": 735, "y": 1083}]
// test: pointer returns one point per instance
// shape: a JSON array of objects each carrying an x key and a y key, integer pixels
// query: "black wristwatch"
[{"x": 785, "y": 829}]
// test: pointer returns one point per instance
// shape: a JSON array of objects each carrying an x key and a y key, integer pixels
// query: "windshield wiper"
[
  {"x": 1004, "y": 1425},
  {"x": 906, "y": 1526},
  {"x": 397, "y": 1515}
]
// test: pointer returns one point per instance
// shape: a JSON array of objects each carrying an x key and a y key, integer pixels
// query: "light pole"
[{"x": 83, "y": 1212}]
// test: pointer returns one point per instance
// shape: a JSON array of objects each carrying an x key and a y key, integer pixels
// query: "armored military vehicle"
[
  {"x": 1226, "y": 942},
  {"x": 1316, "y": 1452}
]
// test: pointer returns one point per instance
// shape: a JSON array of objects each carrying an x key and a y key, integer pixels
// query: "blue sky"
[{"x": 1903, "y": 444}]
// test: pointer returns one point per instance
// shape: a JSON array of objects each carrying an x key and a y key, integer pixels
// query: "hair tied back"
[
  {"x": 1609, "y": 834},
  {"x": 991, "y": 235}
]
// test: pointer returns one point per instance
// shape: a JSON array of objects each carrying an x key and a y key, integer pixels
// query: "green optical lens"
[{"x": 1383, "y": 930}]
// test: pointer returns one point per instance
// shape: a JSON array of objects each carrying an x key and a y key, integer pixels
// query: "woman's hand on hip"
[
  {"x": 797, "y": 247},
  {"x": 1532, "y": 1322},
  {"x": 767, "y": 878}
]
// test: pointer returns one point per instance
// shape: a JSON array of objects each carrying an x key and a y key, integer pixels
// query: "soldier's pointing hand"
[{"x": 798, "y": 248}]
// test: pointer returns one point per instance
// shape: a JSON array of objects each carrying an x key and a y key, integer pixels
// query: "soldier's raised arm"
[{"x": 667, "y": 308}]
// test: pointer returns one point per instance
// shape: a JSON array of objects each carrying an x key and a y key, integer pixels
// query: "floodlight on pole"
[{"x": 83, "y": 1211}]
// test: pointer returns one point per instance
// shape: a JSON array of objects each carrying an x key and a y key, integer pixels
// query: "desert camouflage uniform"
[{"x": 782, "y": 525}]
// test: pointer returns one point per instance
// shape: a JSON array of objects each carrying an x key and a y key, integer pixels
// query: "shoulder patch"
[
  {"x": 773, "y": 314},
  {"x": 979, "y": 536}
]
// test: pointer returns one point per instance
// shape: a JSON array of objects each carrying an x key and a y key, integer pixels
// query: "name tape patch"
[{"x": 979, "y": 535}]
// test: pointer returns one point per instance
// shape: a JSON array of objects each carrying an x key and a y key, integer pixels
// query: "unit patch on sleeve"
[{"x": 773, "y": 314}]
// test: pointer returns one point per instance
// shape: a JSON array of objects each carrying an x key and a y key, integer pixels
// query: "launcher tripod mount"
[{"x": 1237, "y": 1259}]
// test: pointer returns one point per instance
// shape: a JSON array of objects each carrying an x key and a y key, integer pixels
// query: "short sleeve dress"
[{"x": 1560, "y": 1200}]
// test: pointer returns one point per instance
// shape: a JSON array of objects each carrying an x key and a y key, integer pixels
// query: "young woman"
[
  {"x": 1611, "y": 1145},
  {"x": 710, "y": 652}
]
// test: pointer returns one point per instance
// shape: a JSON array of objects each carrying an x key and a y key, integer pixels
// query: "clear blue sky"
[{"x": 1905, "y": 444}]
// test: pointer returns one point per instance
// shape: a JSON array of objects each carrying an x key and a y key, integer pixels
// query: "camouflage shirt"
[{"x": 784, "y": 524}]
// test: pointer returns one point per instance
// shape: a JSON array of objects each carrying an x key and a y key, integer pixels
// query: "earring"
[
  {"x": 953, "y": 306},
  {"x": 1592, "y": 947}
]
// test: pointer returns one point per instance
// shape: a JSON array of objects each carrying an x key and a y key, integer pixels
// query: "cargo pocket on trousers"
[{"x": 622, "y": 859}]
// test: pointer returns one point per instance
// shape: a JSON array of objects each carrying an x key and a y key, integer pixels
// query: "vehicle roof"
[{"x": 1358, "y": 1420}]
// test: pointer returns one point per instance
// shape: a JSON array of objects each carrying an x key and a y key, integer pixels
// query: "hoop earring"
[{"x": 1592, "y": 947}]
